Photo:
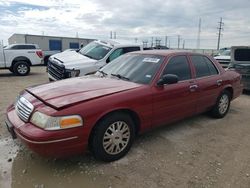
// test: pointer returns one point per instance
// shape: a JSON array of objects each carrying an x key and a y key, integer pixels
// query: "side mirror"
[{"x": 168, "y": 79}]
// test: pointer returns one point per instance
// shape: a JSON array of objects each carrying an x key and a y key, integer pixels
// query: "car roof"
[
  {"x": 117, "y": 43},
  {"x": 166, "y": 52}
]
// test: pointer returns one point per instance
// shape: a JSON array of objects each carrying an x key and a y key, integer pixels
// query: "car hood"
[
  {"x": 72, "y": 58},
  {"x": 70, "y": 91}
]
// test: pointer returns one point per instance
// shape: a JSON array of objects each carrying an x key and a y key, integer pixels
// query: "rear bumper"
[{"x": 61, "y": 143}]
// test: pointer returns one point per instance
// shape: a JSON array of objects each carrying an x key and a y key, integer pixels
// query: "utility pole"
[
  {"x": 157, "y": 42},
  {"x": 179, "y": 40},
  {"x": 152, "y": 42},
  {"x": 114, "y": 34},
  {"x": 110, "y": 34},
  {"x": 145, "y": 44},
  {"x": 166, "y": 41},
  {"x": 183, "y": 44},
  {"x": 199, "y": 35},
  {"x": 219, "y": 34}
]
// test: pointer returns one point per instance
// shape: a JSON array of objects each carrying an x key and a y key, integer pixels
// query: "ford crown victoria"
[{"x": 134, "y": 93}]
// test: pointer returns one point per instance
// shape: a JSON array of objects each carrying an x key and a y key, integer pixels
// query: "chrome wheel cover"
[
  {"x": 22, "y": 69},
  {"x": 223, "y": 104},
  {"x": 116, "y": 137}
]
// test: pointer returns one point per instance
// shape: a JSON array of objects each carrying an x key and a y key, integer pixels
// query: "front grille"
[
  {"x": 23, "y": 108},
  {"x": 56, "y": 70}
]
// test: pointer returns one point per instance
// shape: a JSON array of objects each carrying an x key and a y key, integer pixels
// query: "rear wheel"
[
  {"x": 21, "y": 68},
  {"x": 222, "y": 105},
  {"x": 113, "y": 137}
]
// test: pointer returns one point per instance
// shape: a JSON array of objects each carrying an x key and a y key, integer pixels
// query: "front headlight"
[
  {"x": 55, "y": 123},
  {"x": 73, "y": 73}
]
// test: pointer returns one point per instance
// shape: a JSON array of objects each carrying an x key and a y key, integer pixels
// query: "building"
[{"x": 49, "y": 43}]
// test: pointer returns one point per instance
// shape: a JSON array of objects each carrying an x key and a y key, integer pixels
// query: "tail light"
[{"x": 39, "y": 53}]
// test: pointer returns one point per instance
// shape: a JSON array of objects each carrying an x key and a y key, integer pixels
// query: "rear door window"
[
  {"x": 23, "y": 47},
  {"x": 203, "y": 66}
]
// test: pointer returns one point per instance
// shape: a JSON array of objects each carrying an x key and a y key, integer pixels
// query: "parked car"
[
  {"x": 134, "y": 93},
  {"x": 240, "y": 61},
  {"x": 87, "y": 60},
  {"x": 19, "y": 57},
  {"x": 47, "y": 55},
  {"x": 224, "y": 58}
]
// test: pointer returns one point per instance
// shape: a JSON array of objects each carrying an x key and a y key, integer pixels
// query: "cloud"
[{"x": 142, "y": 19}]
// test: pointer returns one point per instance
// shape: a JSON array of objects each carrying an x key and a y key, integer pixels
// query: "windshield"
[
  {"x": 133, "y": 67},
  {"x": 226, "y": 53},
  {"x": 95, "y": 50}
]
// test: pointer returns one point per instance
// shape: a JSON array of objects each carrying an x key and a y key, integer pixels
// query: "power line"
[{"x": 219, "y": 34}]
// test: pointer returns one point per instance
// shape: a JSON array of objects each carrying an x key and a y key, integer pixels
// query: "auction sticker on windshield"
[{"x": 151, "y": 60}]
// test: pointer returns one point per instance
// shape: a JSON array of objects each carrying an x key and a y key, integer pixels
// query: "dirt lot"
[{"x": 196, "y": 152}]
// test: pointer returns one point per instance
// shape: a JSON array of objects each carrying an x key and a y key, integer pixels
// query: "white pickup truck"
[
  {"x": 88, "y": 60},
  {"x": 19, "y": 57}
]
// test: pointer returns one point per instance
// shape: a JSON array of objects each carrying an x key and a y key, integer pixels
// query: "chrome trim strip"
[{"x": 46, "y": 142}]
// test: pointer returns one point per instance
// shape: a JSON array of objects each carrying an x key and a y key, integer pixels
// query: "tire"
[
  {"x": 113, "y": 137},
  {"x": 222, "y": 105},
  {"x": 46, "y": 59},
  {"x": 21, "y": 68}
]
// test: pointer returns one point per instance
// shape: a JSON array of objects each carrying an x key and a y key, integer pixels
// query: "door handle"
[
  {"x": 219, "y": 82},
  {"x": 193, "y": 88}
]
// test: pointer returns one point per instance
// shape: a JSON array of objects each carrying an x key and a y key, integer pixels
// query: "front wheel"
[
  {"x": 113, "y": 137},
  {"x": 222, "y": 105},
  {"x": 21, "y": 68}
]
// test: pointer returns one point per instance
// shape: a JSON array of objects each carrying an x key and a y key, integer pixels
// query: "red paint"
[{"x": 93, "y": 98}]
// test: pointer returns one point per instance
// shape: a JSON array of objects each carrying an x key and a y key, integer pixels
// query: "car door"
[
  {"x": 208, "y": 80},
  {"x": 175, "y": 101}
]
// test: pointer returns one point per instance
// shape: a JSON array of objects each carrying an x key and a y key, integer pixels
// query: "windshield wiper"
[
  {"x": 103, "y": 73},
  {"x": 120, "y": 76}
]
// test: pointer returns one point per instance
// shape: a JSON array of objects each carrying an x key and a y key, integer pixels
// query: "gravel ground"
[{"x": 196, "y": 152}]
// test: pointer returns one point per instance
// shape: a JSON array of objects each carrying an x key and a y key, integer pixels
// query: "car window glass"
[
  {"x": 201, "y": 67},
  {"x": 211, "y": 66},
  {"x": 23, "y": 47},
  {"x": 115, "y": 54},
  {"x": 131, "y": 49},
  {"x": 95, "y": 50},
  {"x": 136, "y": 68},
  {"x": 242, "y": 54},
  {"x": 179, "y": 66}
]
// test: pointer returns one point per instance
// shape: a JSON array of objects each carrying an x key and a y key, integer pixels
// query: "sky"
[{"x": 137, "y": 20}]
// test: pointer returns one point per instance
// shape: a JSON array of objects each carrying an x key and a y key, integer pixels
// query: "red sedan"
[{"x": 134, "y": 93}]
